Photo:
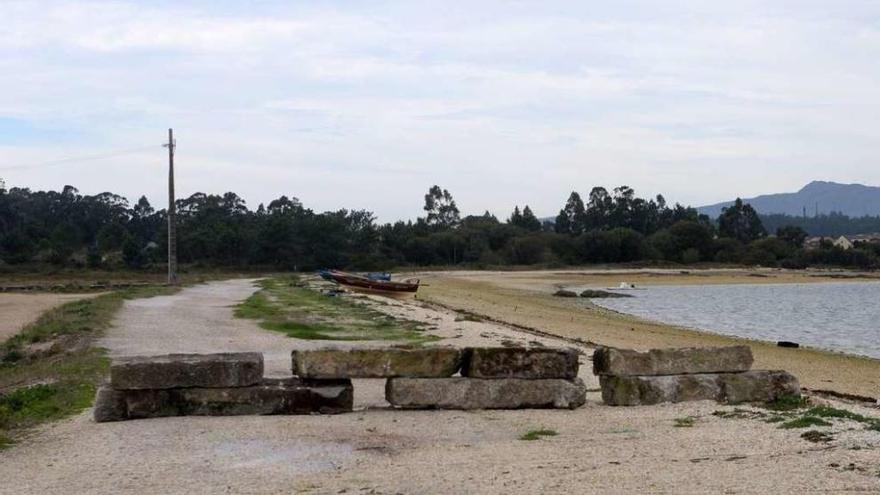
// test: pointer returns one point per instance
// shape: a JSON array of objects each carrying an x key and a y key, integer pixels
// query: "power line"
[{"x": 63, "y": 161}]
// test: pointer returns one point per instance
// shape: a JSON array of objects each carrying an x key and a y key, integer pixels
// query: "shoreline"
[
  {"x": 524, "y": 299},
  {"x": 749, "y": 340}
]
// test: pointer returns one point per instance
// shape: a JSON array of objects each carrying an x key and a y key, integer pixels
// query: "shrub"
[
  {"x": 537, "y": 434},
  {"x": 690, "y": 256},
  {"x": 526, "y": 250},
  {"x": 728, "y": 250}
]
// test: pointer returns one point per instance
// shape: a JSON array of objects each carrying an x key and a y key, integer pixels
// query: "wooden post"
[{"x": 172, "y": 213}]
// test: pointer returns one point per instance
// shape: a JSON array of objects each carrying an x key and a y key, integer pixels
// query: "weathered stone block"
[
  {"x": 645, "y": 390},
  {"x": 759, "y": 386},
  {"x": 520, "y": 362},
  {"x": 109, "y": 405},
  {"x": 187, "y": 370},
  {"x": 610, "y": 361},
  {"x": 273, "y": 396},
  {"x": 377, "y": 363},
  {"x": 733, "y": 388},
  {"x": 475, "y": 393}
]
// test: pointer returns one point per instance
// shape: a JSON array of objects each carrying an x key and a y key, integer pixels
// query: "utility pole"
[{"x": 172, "y": 227}]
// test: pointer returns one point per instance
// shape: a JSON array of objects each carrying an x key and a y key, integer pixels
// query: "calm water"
[{"x": 837, "y": 316}]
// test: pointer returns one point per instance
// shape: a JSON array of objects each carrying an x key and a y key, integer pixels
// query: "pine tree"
[
  {"x": 529, "y": 221},
  {"x": 516, "y": 217}
]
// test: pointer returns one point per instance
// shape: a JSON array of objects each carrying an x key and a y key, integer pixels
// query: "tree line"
[
  {"x": 105, "y": 231},
  {"x": 832, "y": 224}
]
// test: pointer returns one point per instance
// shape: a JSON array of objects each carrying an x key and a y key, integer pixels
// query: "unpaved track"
[
  {"x": 18, "y": 310},
  {"x": 197, "y": 320},
  {"x": 598, "y": 449}
]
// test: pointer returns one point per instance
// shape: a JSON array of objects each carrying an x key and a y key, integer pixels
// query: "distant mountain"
[{"x": 854, "y": 200}]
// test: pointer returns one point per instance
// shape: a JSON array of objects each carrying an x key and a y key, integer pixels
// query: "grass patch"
[
  {"x": 739, "y": 413},
  {"x": 833, "y": 412},
  {"x": 537, "y": 434},
  {"x": 795, "y": 412},
  {"x": 39, "y": 403},
  {"x": 804, "y": 422},
  {"x": 468, "y": 317},
  {"x": 818, "y": 416},
  {"x": 787, "y": 403},
  {"x": 776, "y": 419},
  {"x": 686, "y": 422},
  {"x": 257, "y": 307},
  {"x": 60, "y": 378},
  {"x": 284, "y": 305},
  {"x": 817, "y": 436}
]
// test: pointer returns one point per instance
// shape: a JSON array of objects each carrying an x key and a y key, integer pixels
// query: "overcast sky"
[{"x": 367, "y": 104}]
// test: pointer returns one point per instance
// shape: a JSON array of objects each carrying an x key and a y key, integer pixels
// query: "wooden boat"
[
  {"x": 370, "y": 286},
  {"x": 325, "y": 274}
]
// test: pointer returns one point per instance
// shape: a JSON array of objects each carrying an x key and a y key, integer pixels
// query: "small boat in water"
[
  {"x": 367, "y": 285},
  {"x": 626, "y": 286}
]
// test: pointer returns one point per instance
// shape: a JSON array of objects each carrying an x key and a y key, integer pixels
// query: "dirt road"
[
  {"x": 378, "y": 450},
  {"x": 197, "y": 320},
  {"x": 18, "y": 310}
]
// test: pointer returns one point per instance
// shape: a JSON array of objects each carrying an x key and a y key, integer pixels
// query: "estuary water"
[{"x": 841, "y": 317}]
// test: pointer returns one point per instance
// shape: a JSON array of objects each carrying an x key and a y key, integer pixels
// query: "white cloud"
[{"x": 501, "y": 103}]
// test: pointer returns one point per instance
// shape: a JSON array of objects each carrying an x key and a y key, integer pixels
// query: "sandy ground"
[
  {"x": 18, "y": 310},
  {"x": 599, "y": 449},
  {"x": 547, "y": 280},
  {"x": 524, "y": 298}
]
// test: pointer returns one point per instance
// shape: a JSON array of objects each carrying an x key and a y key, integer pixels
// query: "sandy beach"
[{"x": 524, "y": 298}]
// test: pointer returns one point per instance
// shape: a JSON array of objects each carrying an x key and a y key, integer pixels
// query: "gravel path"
[
  {"x": 196, "y": 320},
  {"x": 377, "y": 450}
]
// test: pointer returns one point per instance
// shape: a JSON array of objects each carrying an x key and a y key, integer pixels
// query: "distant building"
[
  {"x": 813, "y": 242},
  {"x": 843, "y": 243},
  {"x": 868, "y": 238}
]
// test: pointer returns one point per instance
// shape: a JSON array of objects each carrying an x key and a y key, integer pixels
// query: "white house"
[{"x": 843, "y": 243}]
